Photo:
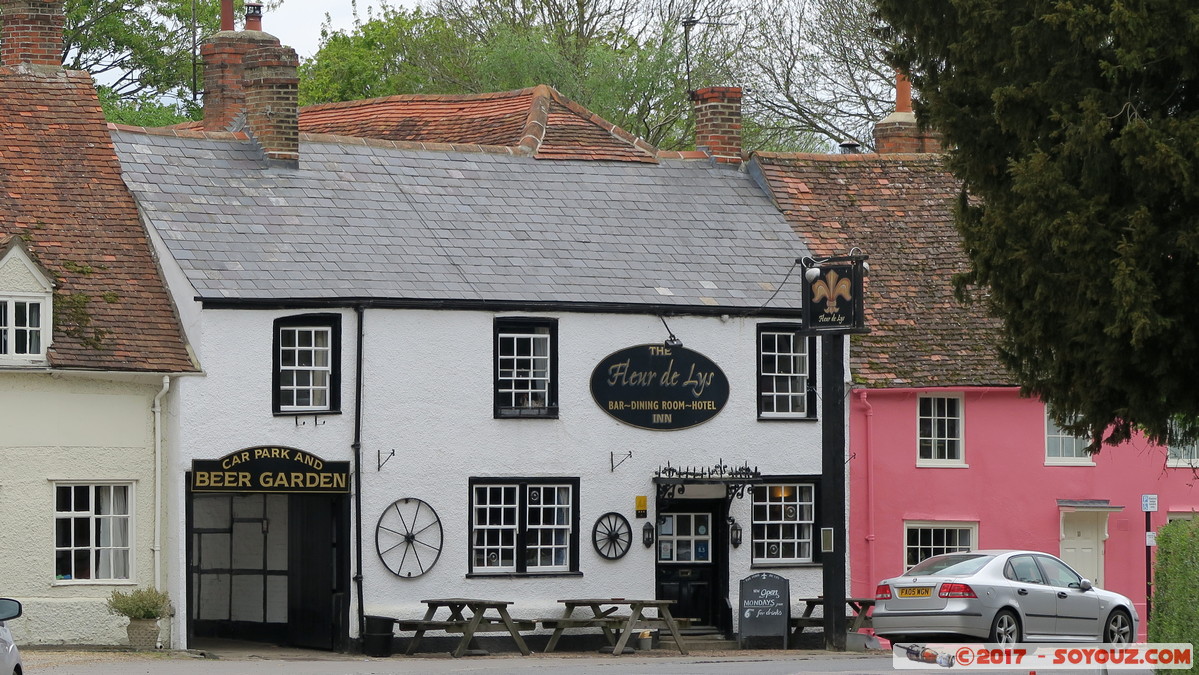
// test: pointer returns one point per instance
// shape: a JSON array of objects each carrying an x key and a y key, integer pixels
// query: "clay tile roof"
[
  {"x": 537, "y": 121},
  {"x": 899, "y": 210},
  {"x": 64, "y": 197}
]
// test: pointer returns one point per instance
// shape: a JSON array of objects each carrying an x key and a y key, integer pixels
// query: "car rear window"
[{"x": 950, "y": 565}]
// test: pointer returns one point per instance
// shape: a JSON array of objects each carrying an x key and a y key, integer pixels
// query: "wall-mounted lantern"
[
  {"x": 647, "y": 535},
  {"x": 734, "y": 532}
]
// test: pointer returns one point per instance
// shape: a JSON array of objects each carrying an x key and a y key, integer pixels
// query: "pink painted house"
[{"x": 945, "y": 454}]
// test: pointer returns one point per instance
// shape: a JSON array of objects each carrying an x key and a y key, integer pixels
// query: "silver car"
[
  {"x": 1002, "y": 597},
  {"x": 10, "y": 658}
]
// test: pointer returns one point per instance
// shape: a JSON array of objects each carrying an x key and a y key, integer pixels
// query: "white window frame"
[
  {"x": 776, "y": 509},
  {"x": 1183, "y": 456},
  {"x": 937, "y": 437},
  {"x": 1180, "y": 515},
  {"x": 314, "y": 369},
  {"x": 670, "y": 539},
  {"x": 96, "y": 549},
  {"x": 524, "y": 362},
  {"x": 784, "y": 386},
  {"x": 1055, "y": 437},
  {"x": 932, "y": 546},
  {"x": 511, "y": 523}
]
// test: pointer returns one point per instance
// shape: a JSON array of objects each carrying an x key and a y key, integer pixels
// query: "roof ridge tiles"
[
  {"x": 484, "y": 96},
  {"x": 181, "y": 133},
  {"x": 407, "y": 145}
]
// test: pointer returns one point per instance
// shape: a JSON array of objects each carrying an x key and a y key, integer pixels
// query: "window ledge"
[
  {"x": 1068, "y": 462},
  {"x": 305, "y": 413},
  {"x": 526, "y": 413},
  {"x": 93, "y": 582},
  {"x": 1182, "y": 463},
  {"x": 927, "y": 464},
  {"x": 801, "y": 565},
  {"x": 519, "y": 575},
  {"x": 780, "y": 418}
]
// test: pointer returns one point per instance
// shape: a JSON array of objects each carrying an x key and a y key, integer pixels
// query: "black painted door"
[
  {"x": 689, "y": 559},
  {"x": 314, "y": 599}
]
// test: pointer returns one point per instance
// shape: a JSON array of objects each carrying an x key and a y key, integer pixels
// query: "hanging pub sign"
[
  {"x": 270, "y": 468},
  {"x": 658, "y": 387},
  {"x": 832, "y": 291}
]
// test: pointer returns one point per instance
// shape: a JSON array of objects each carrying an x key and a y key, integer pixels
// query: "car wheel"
[
  {"x": 1118, "y": 629},
  {"x": 1005, "y": 629}
]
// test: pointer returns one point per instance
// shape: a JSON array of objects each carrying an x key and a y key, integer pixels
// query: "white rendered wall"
[
  {"x": 428, "y": 395},
  {"x": 71, "y": 427}
]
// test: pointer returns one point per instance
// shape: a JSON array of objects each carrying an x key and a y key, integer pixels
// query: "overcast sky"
[{"x": 297, "y": 23}]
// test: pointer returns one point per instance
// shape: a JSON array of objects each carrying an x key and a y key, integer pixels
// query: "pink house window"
[{"x": 940, "y": 430}]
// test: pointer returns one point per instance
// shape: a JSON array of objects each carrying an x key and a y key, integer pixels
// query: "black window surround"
[
  {"x": 522, "y": 540},
  {"x": 754, "y": 534},
  {"x": 525, "y": 378},
  {"x": 322, "y": 320},
  {"x": 811, "y": 408}
]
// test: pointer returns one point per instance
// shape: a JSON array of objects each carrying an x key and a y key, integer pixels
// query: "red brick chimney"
[
  {"x": 224, "y": 94},
  {"x": 272, "y": 101},
  {"x": 31, "y": 32},
  {"x": 899, "y": 132},
  {"x": 718, "y": 123}
]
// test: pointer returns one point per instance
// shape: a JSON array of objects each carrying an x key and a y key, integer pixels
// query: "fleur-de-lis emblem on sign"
[{"x": 832, "y": 286}]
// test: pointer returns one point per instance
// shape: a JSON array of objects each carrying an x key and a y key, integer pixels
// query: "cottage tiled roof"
[
  {"x": 62, "y": 195},
  {"x": 898, "y": 209},
  {"x": 390, "y": 221},
  {"x": 537, "y": 121}
]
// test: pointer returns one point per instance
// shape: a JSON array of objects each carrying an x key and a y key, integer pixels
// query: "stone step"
[{"x": 700, "y": 642}]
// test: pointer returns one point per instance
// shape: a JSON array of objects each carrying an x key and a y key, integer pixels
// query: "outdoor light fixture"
[
  {"x": 672, "y": 342},
  {"x": 647, "y": 535},
  {"x": 812, "y": 274},
  {"x": 734, "y": 532}
]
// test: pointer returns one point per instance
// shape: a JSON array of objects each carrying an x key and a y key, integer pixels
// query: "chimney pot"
[
  {"x": 253, "y": 16},
  {"x": 850, "y": 148}
]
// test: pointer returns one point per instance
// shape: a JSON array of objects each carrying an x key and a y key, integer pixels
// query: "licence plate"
[{"x": 916, "y": 592}]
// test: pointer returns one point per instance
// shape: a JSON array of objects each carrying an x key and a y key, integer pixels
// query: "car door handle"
[
  {"x": 1022, "y": 591},
  {"x": 1061, "y": 594}
]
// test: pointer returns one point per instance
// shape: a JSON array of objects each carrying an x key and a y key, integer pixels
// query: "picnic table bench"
[
  {"x": 478, "y": 621},
  {"x": 858, "y": 615},
  {"x": 603, "y": 616}
]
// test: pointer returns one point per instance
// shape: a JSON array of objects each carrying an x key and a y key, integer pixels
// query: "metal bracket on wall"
[
  {"x": 612, "y": 458},
  {"x": 316, "y": 421},
  {"x": 383, "y": 460}
]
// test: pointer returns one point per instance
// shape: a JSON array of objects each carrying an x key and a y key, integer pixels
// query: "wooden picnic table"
[
  {"x": 859, "y": 614},
  {"x": 478, "y": 621},
  {"x": 604, "y": 617}
]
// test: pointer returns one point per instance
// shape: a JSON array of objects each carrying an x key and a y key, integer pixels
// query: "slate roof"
[
  {"x": 537, "y": 121},
  {"x": 392, "y": 221},
  {"x": 899, "y": 210},
  {"x": 61, "y": 193}
]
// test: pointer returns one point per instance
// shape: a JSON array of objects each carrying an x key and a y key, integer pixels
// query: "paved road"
[{"x": 284, "y": 662}]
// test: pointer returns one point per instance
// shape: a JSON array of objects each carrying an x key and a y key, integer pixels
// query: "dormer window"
[{"x": 26, "y": 297}]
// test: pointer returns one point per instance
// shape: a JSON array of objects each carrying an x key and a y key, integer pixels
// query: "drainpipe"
[
  {"x": 868, "y": 460},
  {"x": 357, "y": 447},
  {"x": 157, "y": 549}
]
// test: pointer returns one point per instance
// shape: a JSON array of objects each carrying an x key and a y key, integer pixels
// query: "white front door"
[{"x": 1082, "y": 543}]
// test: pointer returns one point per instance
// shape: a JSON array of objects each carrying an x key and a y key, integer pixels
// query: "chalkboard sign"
[{"x": 765, "y": 607}]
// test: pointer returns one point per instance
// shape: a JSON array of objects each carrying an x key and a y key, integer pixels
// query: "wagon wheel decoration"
[
  {"x": 408, "y": 537},
  {"x": 612, "y": 535}
]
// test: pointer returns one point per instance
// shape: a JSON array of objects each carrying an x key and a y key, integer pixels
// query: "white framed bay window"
[
  {"x": 524, "y": 526},
  {"x": 784, "y": 522},
  {"x": 93, "y": 531}
]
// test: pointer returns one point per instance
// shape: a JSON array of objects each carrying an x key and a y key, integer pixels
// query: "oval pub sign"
[{"x": 658, "y": 387}]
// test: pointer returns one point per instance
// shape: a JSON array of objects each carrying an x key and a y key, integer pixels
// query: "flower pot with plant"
[{"x": 143, "y": 607}]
